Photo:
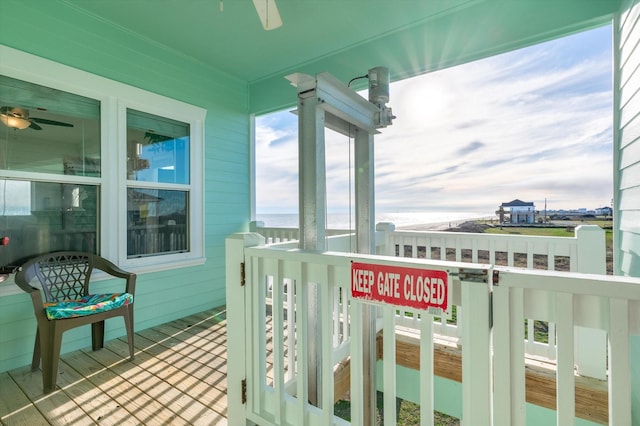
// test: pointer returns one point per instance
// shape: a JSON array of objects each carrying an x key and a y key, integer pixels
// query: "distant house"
[
  {"x": 604, "y": 211},
  {"x": 520, "y": 211}
]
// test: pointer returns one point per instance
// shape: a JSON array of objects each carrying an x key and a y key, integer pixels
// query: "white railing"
[
  {"x": 273, "y": 235},
  {"x": 268, "y": 341},
  {"x": 585, "y": 252},
  {"x": 601, "y": 302}
]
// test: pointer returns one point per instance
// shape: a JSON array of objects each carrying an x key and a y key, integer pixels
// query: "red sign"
[{"x": 398, "y": 286}]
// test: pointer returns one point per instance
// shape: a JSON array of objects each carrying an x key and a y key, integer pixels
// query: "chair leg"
[
  {"x": 50, "y": 359},
  {"x": 97, "y": 335},
  {"x": 35, "y": 362},
  {"x": 128, "y": 323}
]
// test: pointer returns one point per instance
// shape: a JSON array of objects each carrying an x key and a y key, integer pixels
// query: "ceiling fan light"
[{"x": 14, "y": 122}]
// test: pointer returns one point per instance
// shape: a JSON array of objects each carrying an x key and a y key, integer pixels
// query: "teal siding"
[
  {"x": 56, "y": 31},
  {"x": 627, "y": 164}
]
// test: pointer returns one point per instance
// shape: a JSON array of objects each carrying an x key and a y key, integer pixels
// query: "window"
[
  {"x": 157, "y": 187},
  {"x": 90, "y": 164},
  {"x": 50, "y": 162}
]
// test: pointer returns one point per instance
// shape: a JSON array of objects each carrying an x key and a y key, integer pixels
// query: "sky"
[{"x": 534, "y": 124}]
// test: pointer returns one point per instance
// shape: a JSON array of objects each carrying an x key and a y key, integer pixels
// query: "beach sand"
[{"x": 457, "y": 225}]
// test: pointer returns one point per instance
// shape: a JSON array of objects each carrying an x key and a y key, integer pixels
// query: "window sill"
[{"x": 9, "y": 287}]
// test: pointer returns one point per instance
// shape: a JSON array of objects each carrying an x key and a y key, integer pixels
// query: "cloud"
[
  {"x": 470, "y": 148},
  {"x": 533, "y": 124}
]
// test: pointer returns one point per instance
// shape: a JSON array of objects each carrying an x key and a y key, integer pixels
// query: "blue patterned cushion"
[{"x": 87, "y": 305}]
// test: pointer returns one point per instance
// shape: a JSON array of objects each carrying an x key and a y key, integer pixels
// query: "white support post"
[
  {"x": 236, "y": 325},
  {"x": 565, "y": 379},
  {"x": 620, "y": 363},
  {"x": 389, "y": 366},
  {"x": 356, "y": 371},
  {"x": 477, "y": 389},
  {"x": 325, "y": 101},
  {"x": 591, "y": 344},
  {"x": 312, "y": 200},
  {"x": 311, "y": 170},
  {"x": 365, "y": 243},
  {"x": 426, "y": 370},
  {"x": 508, "y": 356},
  {"x": 364, "y": 191}
]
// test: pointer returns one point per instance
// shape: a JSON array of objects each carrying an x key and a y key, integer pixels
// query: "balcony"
[{"x": 178, "y": 377}]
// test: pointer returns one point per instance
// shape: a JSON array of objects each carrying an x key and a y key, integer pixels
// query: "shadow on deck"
[{"x": 178, "y": 377}]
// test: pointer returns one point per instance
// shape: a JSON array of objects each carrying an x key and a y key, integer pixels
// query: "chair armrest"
[
  {"x": 110, "y": 268},
  {"x": 23, "y": 280},
  {"x": 35, "y": 293}
]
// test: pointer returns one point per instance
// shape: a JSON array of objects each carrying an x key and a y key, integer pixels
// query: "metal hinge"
[
  {"x": 474, "y": 275},
  {"x": 242, "y": 275},
  {"x": 243, "y": 384}
]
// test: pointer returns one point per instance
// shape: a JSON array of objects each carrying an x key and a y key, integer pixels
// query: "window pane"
[
  {"x": 157, "y": 149},
  {"x": 156, "y": 222},
  {"x": 45, "y": 130},
  {"x": 39, "y": 217}
]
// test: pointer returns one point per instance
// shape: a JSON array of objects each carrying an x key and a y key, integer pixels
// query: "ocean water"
[{"x": 400, "y": 219}]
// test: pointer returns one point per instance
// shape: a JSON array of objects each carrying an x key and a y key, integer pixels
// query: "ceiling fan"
[
  {"x": 268, "y": 13},
  {"x": 18, "y": 118}
]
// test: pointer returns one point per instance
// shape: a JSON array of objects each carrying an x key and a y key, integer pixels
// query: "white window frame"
[{"x": 115, "y": 98}]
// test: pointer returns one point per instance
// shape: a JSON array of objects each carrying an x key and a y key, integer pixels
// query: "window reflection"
[
  {"x": 40, "y": 217},
  {"x": 156, "y": 222},
  {"x": 157, "y": 149},
  {"x": 45, "y": 132},
  {"x": 63, "y": 135}
]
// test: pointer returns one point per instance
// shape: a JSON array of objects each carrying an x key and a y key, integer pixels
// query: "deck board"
[{"x": 178, "y": 377}]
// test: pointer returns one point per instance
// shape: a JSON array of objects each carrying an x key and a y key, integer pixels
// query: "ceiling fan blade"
[
  {"x": 268, "y": 13},
  {"x": 50, "y": 122},
  {"x": 34, "y": 126}
]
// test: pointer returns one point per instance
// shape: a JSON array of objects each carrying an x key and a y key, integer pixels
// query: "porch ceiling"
[
  {"x": 343, "y": 37},
  {"x": 233, "y": 39}
]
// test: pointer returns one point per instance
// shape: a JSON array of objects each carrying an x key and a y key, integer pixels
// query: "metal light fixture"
[
  {"x": 14, "y": 121},
  {"x": 379, "y": 80}
]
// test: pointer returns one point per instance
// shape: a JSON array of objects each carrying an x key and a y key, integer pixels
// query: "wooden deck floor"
[{"x": 178, "y": 377}]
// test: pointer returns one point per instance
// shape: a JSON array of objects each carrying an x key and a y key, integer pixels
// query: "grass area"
[
  {"x": 408, "y": 415},
  {"x": 545, "y": 232},
  {"x": 553, "y": 231},
  {"x": 561, "y": 232}
]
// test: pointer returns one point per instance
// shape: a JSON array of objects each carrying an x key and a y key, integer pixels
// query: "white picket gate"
[{"x": 267, "y": 335}]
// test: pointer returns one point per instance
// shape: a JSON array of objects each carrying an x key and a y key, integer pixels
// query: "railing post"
[
  {"x": 255, "y": 225},
  {"x": 236, "y": 324},
  {"x": 508, "y": 359},
  {"x": 477, "y": 388},
  {"x": 620, "y": 380},
  {"x": 384, "y": 239},
  {"x": 592, "y": 249},
  {"x": 590, "y": 343}
]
